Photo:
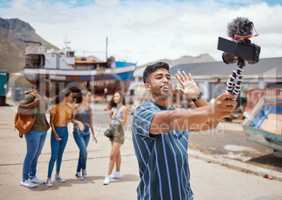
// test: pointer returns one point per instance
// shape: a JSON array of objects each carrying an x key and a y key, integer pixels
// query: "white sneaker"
[
  {"x": 36, "y": 181},
  {"x": 77, "y": 175},
  {"x": 116, "y": 175},
  {"x": 83, "y": 178},
  {"x": 49, "y": 182},
  {"x": 107, "y": 180},
  {"x": 84, "y": 173},
  {"x": 28, "y": 184},
  {"x": 59, "y": 179}
]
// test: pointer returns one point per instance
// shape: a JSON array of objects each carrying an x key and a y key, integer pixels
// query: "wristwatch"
[{"x": 197, "y": 98}]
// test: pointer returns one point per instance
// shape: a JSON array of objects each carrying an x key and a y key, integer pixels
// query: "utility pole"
[{"x": 107, "y": 47}]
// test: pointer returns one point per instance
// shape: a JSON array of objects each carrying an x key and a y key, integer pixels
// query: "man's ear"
[{"x": 147, "y": 85}]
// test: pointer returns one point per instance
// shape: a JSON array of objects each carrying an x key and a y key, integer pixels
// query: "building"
[{"x": 212, "y": 76}]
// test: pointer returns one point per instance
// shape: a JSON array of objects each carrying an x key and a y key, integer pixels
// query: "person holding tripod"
[{"x": 161, "y": 134}]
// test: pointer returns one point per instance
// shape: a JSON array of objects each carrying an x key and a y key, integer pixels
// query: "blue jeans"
[
  {"x": 57, "y": 149},
  {"x": 82, "y": 140},
  {"x": 34, "y": 144}
]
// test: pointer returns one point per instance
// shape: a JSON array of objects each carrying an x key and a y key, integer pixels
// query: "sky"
[{"x": 146, "y": 30}]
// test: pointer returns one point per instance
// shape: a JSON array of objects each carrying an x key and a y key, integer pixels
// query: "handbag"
[{"x": 109, "y": 132}]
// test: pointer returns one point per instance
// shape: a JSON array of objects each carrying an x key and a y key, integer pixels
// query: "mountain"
[
  {"x": 202, "y": 58},
  {"x": 13, "y": 33}
]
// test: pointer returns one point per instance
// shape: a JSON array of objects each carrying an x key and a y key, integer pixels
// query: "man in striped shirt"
[{"x": 160, "y": 134}]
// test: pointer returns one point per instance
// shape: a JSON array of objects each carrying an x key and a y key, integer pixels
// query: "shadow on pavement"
[
  {"x": 89, "y": 179},
  {"x": 54, "y": 187},
  {"x": 68, "y": 183},
  {"x": 128, "y": 178},
  {"x": 269, "y": 160}
]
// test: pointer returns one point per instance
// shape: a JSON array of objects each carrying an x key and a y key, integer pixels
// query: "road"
[{"x": 209, "y": 181}]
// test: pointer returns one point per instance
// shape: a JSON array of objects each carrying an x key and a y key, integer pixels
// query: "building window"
[
  {"x": 70, "y": 54},
  {"x": 34, "y": 61}
]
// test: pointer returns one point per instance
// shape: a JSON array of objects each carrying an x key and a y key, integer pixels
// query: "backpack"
[
  {"x": 24, "y": 123},
  {"x": 24, "y": 120}
]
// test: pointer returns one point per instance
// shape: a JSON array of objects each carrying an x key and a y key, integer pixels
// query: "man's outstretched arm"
[
  {"x": 193, "y": 119},
  {"x": 210, "y": 124}
]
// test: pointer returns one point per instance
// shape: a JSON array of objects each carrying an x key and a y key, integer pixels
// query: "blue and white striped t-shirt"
[{"x": 162, "y": 159}]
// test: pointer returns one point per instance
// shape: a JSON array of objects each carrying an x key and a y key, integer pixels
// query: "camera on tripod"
[{"x": 240, "y": 47}]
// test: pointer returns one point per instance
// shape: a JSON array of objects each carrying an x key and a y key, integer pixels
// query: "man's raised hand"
[{"x": 187, "y": 85}]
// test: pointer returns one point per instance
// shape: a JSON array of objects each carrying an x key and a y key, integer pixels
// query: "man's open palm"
[{"x": 187, "y": 85}]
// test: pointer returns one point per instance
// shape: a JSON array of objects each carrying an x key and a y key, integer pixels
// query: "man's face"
[{"x": 159, "y": 83}]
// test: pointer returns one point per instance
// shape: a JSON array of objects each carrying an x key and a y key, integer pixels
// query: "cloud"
[{"x": 147, "y": 30}]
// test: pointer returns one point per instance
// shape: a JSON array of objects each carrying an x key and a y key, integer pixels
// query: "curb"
[{"x": 237, "y": 165}]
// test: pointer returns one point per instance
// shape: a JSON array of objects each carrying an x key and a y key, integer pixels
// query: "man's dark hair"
[{"x": 152, "y": 68}]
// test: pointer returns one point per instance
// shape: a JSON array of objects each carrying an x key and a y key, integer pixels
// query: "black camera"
[{"x": 240, "y": 48}]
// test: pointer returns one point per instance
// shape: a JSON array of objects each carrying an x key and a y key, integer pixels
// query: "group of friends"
[{"x": 65, "y": 110}]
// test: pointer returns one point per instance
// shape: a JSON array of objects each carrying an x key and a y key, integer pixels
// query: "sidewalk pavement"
[{"x": 209, "y": 181}]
